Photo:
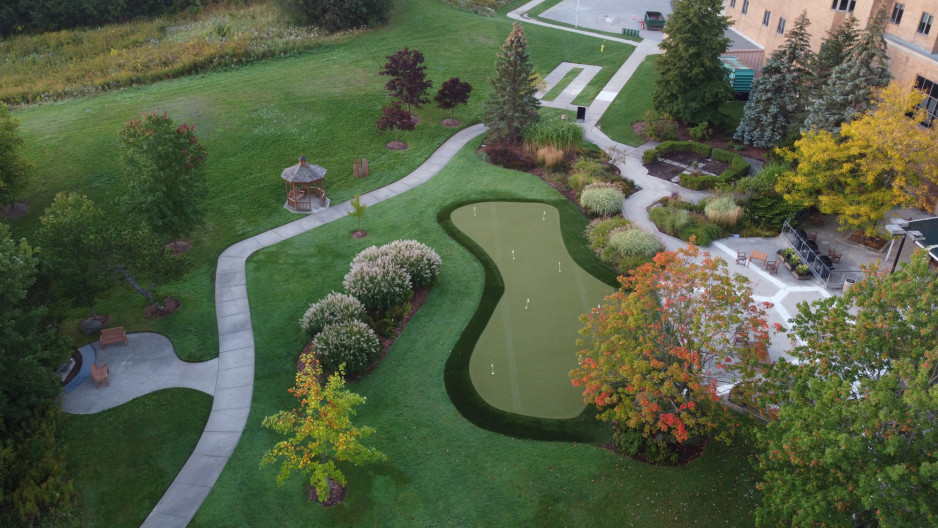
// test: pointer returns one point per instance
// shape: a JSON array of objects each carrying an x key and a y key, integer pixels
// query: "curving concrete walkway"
[
  {"x": 235, "y": 385},
  {"x": 235, "y": 381}
]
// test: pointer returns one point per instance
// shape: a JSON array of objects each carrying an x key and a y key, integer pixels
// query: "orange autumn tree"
[
  {"x": 321, "y": 430},
  {"x": 656, "y": 352}
]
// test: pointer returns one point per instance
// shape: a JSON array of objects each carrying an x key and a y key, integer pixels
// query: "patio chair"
[
  {"x": 739, "y": 338},
  {"x": 812, "y": 235},
  {"x": 99, "y": 372},
  {"x": 741, "y": 257},
  {"x": 772, "y": 267},
  {"x": 834, "y": 256}
]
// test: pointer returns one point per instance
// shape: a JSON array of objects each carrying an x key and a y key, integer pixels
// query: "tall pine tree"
[
  {"x": 833, "y": 52},
  {"x": 849, "y": 91},
  {"x": 511, "y": 105},
  {"x": 779, "y": 95},
  {"x": 692, "y": 82}
]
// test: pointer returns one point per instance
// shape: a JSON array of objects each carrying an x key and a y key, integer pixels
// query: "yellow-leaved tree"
[
  {"x": 321, "y": 431},
  {"x": 879, "y": 161}
]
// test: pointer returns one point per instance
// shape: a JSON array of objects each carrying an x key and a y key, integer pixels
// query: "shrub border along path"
[{"x": 235, "y": 387}]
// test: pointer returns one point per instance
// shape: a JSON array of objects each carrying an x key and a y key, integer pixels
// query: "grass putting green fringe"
[{"x": 584, "y": 428}]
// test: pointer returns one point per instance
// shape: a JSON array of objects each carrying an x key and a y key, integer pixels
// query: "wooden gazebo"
[{"x": 303, "y": 181}]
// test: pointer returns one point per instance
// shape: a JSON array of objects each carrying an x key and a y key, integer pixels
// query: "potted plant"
[
  {"x": 802, "y": 272},
  {"x": 789, "y": 257}
]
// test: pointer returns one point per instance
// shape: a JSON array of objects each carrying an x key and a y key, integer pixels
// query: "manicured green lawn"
[
  {"x": 123, "y": 459},
  {"x": 257, "y": 119},
  {"x": 441, "y": 470},
  {"x": 558, "y": 88},
  {"x": 630, "y": 105}
]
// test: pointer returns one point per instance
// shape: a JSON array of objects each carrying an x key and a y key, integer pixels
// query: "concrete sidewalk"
[
  {"x": 145, "y": 364},
  {"x": 235, "y": 386}
]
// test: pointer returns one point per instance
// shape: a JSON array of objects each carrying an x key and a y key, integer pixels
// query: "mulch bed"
[
  {"x": 716, "y": 141},
  {"x": 358, "y": 233},
  {"x": 336, "y": 495},
  {"x": 170, "y": 306},
  {"x": 686, "y": 453},
  {"x": 178, "y": 247},
  {"x": 396, "y": 145},
  {"x": 14, "y": 210},
  {"x": 860, "y": 237},
  {"x": 665, "y": 171},
  {"x": 451, "y": 123}
]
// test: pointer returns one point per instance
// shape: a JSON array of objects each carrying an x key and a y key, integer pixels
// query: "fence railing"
[{"x": 820, "y": 265}]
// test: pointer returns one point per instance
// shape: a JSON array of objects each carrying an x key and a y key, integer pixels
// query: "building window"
[
  {"x": 925, "y": 25},
  {"x": 897, "y": 10},
  {"x": 766, "y": 17},
  {"x": 930, "y": 104},
  {"x": 844, "y": 5},
  {"x": 781, "y": 26},
  {"x": 732, "y": 3},
  {"x": 745, "y": 6}
]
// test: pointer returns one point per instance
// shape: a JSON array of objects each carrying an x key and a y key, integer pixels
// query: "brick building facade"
[{"x": 911, "y": 33}]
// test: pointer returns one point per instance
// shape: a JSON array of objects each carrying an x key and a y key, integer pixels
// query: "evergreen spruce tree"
[
  {"x": 779, "y": 95},
  {"x": 833, "y": 52},
  {"x": 512, "y": 105},
  {"x": 849, "y": 91},
  {"x": 692, "y": 82}
]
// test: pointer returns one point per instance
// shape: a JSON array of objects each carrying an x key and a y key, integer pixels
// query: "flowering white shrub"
[
  {"x": 602, "y": 198},
  {"x": 369, "y": 254},
  {"x": 379, "y": 285},
  {"x": 417, "y": 259},
  {"x": 353, "y": 343},
  {"x": 332, "y": 309}
]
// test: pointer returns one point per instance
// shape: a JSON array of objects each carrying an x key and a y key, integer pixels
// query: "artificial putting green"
[{"x": 521, "y": 361}]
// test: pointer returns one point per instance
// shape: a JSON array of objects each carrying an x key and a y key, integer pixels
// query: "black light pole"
[
  {"x": 916, "y": 235},
  {"x": 895, "y": 262}
]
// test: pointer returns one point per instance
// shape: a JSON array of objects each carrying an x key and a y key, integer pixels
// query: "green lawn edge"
[{"x": 459, "y": 387}]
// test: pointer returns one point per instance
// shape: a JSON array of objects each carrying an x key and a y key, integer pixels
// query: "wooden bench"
[{"x": 111, "y": 336}]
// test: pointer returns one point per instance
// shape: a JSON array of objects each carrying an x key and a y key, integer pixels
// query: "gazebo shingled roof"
[{"x": 303, "y": 172}]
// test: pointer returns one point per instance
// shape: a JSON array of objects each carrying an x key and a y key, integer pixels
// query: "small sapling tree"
[
  {"x": 358, "y": 210},
  {"x": 453, "y": 92},
  {"x": 394, "y": 118},
  {"x": 320, "y": 430}
]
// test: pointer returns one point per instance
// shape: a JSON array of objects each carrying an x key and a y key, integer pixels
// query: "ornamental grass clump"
[
  {"x": 578, "y": 181},
  {"x": 334, "y": 308},
  {"x": 591, "y": 168},
  {"x": 602, "y": 199},
  {"x": 598, "y": 230},
  {"x": 549, "y": 156},
  {"x": 420, "y": 261},
  {"x": 353, "y": 344},
  {"x": 671, "y": 220},
  {"x": 723, "y": 211},
  {"x": 558, "y": 133},
  {"x": 632, "y": 242},
  {"x": 379, "y": 285}
]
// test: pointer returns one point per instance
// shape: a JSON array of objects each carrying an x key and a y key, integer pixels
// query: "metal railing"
[{"x": 820, "y": 265}]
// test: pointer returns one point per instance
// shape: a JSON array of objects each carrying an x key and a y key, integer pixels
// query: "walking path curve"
[
  {"x": 235, "y": 364},
  {"x": 235, "y": 385}
]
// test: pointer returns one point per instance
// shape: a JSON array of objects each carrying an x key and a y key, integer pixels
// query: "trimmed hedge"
[
  {"x": 459, "y": 388},
  {"x": 697, "y": 182},
  {"x": 738, "y": 166},
  {"x": 684, "y": 146}
]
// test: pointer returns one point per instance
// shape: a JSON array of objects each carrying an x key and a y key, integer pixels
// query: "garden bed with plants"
[{"x": 711, "y": 219}]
